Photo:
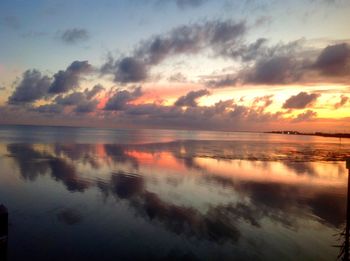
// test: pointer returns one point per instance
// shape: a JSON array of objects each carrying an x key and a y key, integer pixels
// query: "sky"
[{"x": 228, "y": 65}]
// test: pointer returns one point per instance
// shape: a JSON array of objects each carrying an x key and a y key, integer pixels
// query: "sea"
[{"x": 144, "y": 194}]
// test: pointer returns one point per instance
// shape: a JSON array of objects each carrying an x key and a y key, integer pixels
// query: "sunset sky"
[{"x": 180, "y": 64}]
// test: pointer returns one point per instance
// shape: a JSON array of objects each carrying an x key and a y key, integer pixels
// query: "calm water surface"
[{"x": 100, "y": 194}]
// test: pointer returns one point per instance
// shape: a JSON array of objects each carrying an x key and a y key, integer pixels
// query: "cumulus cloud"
[
  {"x": 343, "y": 100},
  {"x": 75, "y": 35},
  {"x": 275, "y": 70},
  {"x": 83, "y": 102},
  {"x": 33, "y": 86},
  {"x": 94, "y": 91},
  {"x": 71, "y": 99},
  {"x": 190, "y": 99},
  {"x": 334, "y": 60},
  {"x": 86, "y": 106},
  {"x": 300, "y": 101},
  {"x": 189, "y": 39},
  {"x": 130, "y": 69},
  {"x": 305, "y": 116},
  {"x": 69, "y": 79},
  {"x": 277, "y": 64},
  {"x": 121, "y": 98}
]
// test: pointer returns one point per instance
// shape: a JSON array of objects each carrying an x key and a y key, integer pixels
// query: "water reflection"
[{"x": 226, "y": 199}]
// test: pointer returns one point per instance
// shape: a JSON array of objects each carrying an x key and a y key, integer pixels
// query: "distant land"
[{"x": 322, "y": 134}]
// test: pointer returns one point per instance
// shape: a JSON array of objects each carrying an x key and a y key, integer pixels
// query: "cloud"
[
  {"x": 11, "y": 22},
  {"x": 190, "y": 98},
  {"x": 261, "y": 103},
  {"x": 262, "y": 64},
  {"x": 69, "y": 79},
  {"x": 121, "y": 98},
  {"x": 334, "y": 60},
  {"x": 75, "y": 35},
  {"x": 249, "y": 52},
  {"x": 83, "y": 101},
  {"x": 189, "y": 39},
  {"x": 177, "y": 77},
  {"x": 87, "y": 106},
  {"x": 32, "y": 87},
  {"x": 275, "y": 70},
  {"x": 183, "y": 4},
  {"x": 222, "y": 81},
  {"x": 71, "y": 99},
  {"x": 52, "y": 108},
  {"x": 343, "y": 100},
  {"x": 94, "y": 91},
  {"x": 300, "y": 101},
  {"x": 130, "y": 69},
  {"x": 305, "y": 116}
]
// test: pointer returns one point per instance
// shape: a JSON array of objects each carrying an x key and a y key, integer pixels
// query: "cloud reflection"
[{"x": 144, "y": 175}]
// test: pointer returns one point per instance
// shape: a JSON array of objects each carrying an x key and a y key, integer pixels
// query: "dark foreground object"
[{"x": 3, "y": 232}]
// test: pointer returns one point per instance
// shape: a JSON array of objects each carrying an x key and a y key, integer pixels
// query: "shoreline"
[{"x": 320, "y": 134}]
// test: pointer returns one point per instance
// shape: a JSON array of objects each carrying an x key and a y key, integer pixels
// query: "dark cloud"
[
  {"x": 121, "y": 98},
  {"x": 222, "y": 81},
  {"x": 249, "y": 52},
  {"x": 275, "y": 70},
  {"x": 300, "y": 101},
  {"x": 87, "y": 106},
  {"x": 190, "y": 98},
  {"x": 190, "y": 39},
  {"x": 69, "y": 79},
  {"x": 343, "y": 100},
  {"x": 221, "y": 115},
  {"x": 334, "y": 60},
  {"x": 130, "y": 69},
  {"x": 83, "y": 101},
  {"x": 32, "y": 87},
  {"x": 72, "y": 36},
  {"x": 305, "y": 116}
]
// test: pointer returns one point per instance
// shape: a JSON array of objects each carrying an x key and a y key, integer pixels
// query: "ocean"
[{"x": 106, "y": 194}]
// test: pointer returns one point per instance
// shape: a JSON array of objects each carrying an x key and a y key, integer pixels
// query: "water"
[{"x": 102, "y": 194}]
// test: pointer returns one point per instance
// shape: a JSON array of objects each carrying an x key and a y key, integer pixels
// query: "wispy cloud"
[{"x": 74, "y": 35}]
